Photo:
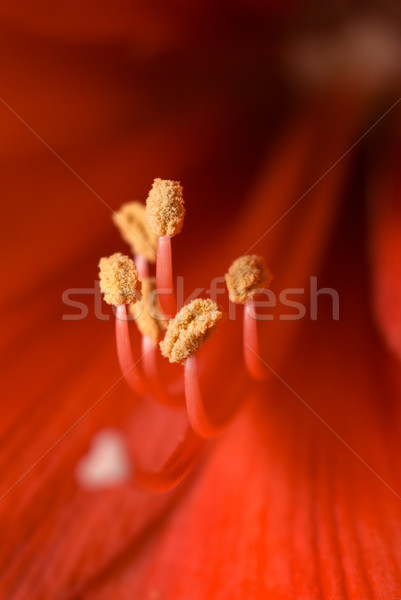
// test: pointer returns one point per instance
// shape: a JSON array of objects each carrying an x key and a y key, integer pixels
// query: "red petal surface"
[
  {"x": 278, "y": 506},
  {"x": 301, "y": 498}
]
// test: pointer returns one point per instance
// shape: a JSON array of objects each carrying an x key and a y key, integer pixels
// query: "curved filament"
[
  {"x": 151, "y": 370},
  {"x": 164, "y": 277},
  {"x": 253, "y": 363},
  {"x": 176, "y": 467},
  {"x": 197, "y": 415},
  {"x": 129, "y": 368}
]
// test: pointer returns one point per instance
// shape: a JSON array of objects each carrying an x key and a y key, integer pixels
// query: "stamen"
[
  {"x": 246, "y": 276},
  {"x": 165, "y": 214},
  {"x": 186, "y": 331},
  {"x": 185, "y": 335},
  {"x": 134, "y": 229},
  {"x": 120, "y": 285}
]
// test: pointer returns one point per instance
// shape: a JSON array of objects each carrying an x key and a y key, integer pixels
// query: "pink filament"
[
  {"x": 164, "y": 277},
  {"x": 142, "y": 266},
  {"x": 175, "y": 468},
  {"x": 150, "y": 354},
  {"x": 196, "y": 410},
  {"x": 189, "y": 450},
  {"x": 253, "y": 363},
  {"x": 128, "y": 367}
]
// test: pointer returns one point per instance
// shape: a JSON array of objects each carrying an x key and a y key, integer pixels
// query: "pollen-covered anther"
[
  {"x": 134, "y": 229},
  {"x": 119, "y": 280},
  {"x": 165, "y": 208},
  {"x": 147, "y": 313},
  {"x": 246, "y": 276},
  {"x": 189, "y": 329}
]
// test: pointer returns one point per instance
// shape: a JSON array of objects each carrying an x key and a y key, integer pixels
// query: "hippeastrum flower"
[{"x": 282, "y": 123}]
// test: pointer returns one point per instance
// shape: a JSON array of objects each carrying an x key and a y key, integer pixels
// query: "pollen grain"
[
  {"x": 246, "y": 276},
  {"x": 134, "y": 229},
  {"x": 165, "y": 208},
  {"x": 189, "y": 329},
  {"x": 119, "y": 280},
  {"x": 147, "y": 313}
]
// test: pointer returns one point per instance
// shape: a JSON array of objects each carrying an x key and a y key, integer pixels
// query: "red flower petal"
[
  {"x": 278, "y": 506},
  {"x": 296, "y": 500}
]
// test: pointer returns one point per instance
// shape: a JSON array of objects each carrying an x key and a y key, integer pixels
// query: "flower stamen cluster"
[{"x": 186, "y": 331}]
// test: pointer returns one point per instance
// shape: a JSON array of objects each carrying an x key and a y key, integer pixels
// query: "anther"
[
  {"x": 246, "y": 276},
  {"x": 146, "y": 313},
  {"x": 135, "y": 231},
  {"x": 165, "y": 208},
  {"x": 119, "y": 279},
  {"x": 189, "y": 329}
]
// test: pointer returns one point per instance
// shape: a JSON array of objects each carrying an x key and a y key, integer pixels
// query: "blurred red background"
[{"x": 248, "y": 104}]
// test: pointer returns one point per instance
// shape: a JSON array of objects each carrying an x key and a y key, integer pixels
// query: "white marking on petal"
[{"x": 107, "y": 463}]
